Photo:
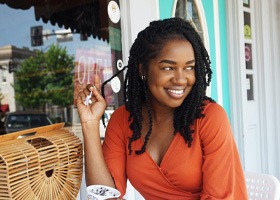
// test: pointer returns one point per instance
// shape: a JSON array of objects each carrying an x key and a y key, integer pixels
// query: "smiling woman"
[{"x": 169, "y": 139}]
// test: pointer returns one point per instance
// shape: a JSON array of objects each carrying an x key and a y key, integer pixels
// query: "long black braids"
[
  {"x": 103, "y": 89},
  {"x": 148, "y": 46}
]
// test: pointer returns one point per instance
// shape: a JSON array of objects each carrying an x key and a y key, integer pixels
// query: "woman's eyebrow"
[
  {"x": 173, "y": 62},
  {"x": 167, "y": 61},
  {"x": 191, "y": 61}
]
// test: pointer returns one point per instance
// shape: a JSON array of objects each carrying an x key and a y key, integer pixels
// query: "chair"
[{"x": 262, "y": 186}]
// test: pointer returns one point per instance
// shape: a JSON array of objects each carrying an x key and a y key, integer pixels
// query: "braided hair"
[{"x": 148, "y": 46}]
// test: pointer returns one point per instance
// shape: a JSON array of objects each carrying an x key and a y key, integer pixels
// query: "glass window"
[
  {"x": 52, "y": 49},
  {"x": 188, "y": 10}
]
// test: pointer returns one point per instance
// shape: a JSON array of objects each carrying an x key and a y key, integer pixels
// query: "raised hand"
[{"x": 90, "y": 103}]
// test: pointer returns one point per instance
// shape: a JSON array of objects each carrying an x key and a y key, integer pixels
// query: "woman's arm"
[
  {"x": 96, "y": 170},
  {"x": 223, "y": 176}
]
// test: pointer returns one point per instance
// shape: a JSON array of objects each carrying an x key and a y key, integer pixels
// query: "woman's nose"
[{"x": 179, "y": 77}]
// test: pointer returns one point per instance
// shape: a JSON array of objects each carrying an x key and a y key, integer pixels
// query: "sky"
[{"x": 15, "y": 27}]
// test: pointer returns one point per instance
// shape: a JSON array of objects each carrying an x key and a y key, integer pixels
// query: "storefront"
[{"x": 242, "y": 37}]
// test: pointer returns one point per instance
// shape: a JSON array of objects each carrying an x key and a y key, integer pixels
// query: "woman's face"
[{"x": 171, "y": 75}]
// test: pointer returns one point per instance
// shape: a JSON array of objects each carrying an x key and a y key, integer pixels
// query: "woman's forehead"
[{"x": 174, "y": 47}]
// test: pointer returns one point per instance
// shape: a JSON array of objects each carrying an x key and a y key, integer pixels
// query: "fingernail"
[{"x": 93, "y": 87}]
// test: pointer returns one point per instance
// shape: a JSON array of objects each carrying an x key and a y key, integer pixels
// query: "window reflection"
[
  {"x": 82, "y": 30},
  {"x": 187, "y": 9}
]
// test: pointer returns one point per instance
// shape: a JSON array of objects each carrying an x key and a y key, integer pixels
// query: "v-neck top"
[{"x": 209, "y": 169}]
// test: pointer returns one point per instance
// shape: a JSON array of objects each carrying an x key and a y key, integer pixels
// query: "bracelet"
[{"x": 101, "y": 192}]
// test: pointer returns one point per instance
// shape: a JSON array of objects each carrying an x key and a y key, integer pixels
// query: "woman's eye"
[
  {"x": 167, "y": 68},
  {"x": 189, "y": 68}
]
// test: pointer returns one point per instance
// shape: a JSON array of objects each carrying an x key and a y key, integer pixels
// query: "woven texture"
[{"x": 44, "y": 166}]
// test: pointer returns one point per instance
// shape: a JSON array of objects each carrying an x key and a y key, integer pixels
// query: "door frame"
[{"x": 266, "y": 35}]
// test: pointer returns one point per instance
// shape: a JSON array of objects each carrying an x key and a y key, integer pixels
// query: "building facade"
[
  {"x": 241, "y": 36},
  {"x": 10, "y": 60}
]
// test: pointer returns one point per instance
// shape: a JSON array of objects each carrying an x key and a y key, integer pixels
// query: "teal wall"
[
  {"x": 209, "y": 14},
  {"x": 224, "y": 55},
  {"x": 165, "y": 8},
  {"x": 165, "y": 11}
]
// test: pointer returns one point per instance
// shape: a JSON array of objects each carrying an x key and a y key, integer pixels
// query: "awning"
[
  {"x": 81, "y": 16},
  {"x": 18, "y": 4}
]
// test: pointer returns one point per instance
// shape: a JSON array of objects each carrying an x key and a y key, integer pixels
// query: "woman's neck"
[{"x": 159, "y": 114}]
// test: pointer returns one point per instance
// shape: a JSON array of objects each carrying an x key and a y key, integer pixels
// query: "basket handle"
[{"x": 32, "y": 131}]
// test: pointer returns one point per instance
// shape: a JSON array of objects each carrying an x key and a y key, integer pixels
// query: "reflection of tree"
[{"x": 45, "y": 78}]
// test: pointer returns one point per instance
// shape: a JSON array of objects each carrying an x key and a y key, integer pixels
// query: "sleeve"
[
  {"x": 223, "y": 176},
  {"x": 114, "y": 149}
]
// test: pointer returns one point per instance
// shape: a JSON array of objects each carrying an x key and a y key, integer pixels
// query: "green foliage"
[{"x": 45, "y": 78}]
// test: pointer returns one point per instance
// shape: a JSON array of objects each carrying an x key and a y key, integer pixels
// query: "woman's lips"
[{"x": 175, "y": 93}]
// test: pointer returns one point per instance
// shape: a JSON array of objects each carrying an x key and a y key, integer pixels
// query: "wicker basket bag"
[{"x": 44, "y": 166}]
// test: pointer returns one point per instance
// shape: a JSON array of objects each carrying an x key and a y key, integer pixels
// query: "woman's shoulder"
[
  {"x": 214, "y": 125},
  {"x": 120, "y": 111},
  {"x": 212, "y": 108},
  {"x": 213, "y": 113},
  {"x": 120, "y": 115},
  {"x": 118, "y": 122}
]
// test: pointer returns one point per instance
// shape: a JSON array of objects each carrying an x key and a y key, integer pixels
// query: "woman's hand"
[{"x": 97, "y": 104}]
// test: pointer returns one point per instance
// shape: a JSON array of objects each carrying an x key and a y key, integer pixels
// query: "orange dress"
[{"x": 210, "y": 169}]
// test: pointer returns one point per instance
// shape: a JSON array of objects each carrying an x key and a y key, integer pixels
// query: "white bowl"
[{"x": 101, "y": 192}]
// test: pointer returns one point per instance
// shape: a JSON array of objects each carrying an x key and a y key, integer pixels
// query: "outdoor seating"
[{"x": 262, "y": 186}]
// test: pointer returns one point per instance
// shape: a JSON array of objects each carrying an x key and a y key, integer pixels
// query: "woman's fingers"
[
  {"x": 96, "y": 81},
  {"x": 89, "y": 88},
  {"x": 88, "y": 97},
  {"x": 90, "y": 94},
  {"x": 98, "y": 96},
  {"x": 90, "y": 104}
]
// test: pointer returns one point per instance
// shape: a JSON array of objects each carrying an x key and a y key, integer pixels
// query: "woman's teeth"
[{"x": 176, "y": 91}]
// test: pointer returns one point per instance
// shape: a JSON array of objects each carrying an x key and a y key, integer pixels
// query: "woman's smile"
[
  {"x": 171, "y": 75},
  {"x": 176, "y": 93}
]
